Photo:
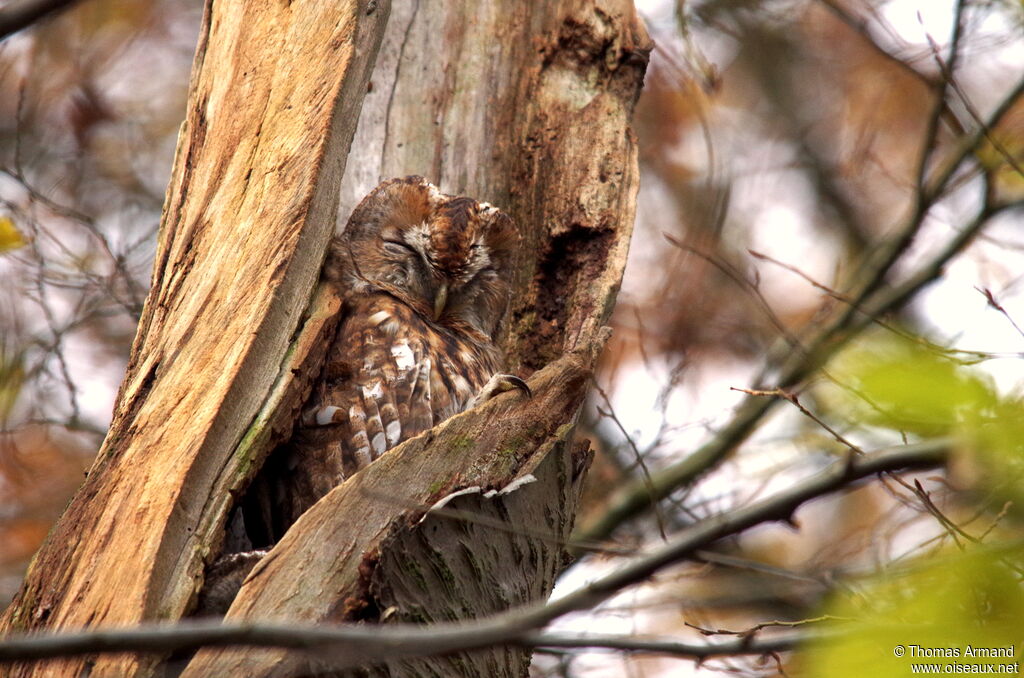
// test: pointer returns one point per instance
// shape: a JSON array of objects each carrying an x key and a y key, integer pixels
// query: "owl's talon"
[
  {"x": 500, "y": 383},
  {"x": 511, "y": 381}
]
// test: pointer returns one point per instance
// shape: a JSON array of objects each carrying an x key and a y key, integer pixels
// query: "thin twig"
[
  {"x": 356, "y": 644},
  {"x": 644, "y": 471},
  {"x": 20, "y": 15},
  {"x": 668, "y": 646},
  {"x": 738, "y": 278},
  {"x": 860, "y": 26},
  {"x": 975, "y": 355},
  {"x": 951, "y": 528},
  {"x": 991, "y": 299},
  {"x": 947, "y": 69},
  {"x": 765, "y": 625},
  {"x": 792, "y": 397}
]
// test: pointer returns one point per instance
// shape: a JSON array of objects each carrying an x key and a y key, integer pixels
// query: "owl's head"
[{"x": 449, "y": 258}]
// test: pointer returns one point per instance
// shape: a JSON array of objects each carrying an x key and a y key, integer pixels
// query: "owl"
[{"x": 425, "y": 279}]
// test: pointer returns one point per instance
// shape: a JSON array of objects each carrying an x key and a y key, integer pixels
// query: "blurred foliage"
[
  {"x": 948, "y": 612},
  {"x": 39, "y": 470},
  {"x": 12, "y": 378},
  {"x": 10, "y": 237},
  {"x": 953, "y": 598},
  {"x": 1003, "y": 156},
  {"x": 916, "y": 388},
  {"x": 90, "y": 104},
  {"x": 896, "y": 382}
]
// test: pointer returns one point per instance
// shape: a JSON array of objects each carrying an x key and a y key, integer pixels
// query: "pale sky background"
[{"x": 952, "y": 306}]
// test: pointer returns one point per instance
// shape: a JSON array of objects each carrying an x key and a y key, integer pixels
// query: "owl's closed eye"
[
  {"x": 448, "y": 257},
  {"x": 425, "y": 279}
]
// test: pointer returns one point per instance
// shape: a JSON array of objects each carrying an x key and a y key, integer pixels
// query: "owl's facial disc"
[{"x": 452, "y": 254}]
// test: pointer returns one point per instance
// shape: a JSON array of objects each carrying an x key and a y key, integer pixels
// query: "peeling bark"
[
  {"x": 274, "y": 97},
  {"x": 543, "y": 132}
]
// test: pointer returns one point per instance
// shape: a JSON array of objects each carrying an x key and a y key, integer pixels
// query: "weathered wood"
[
  {"x": 362, "y": 549},
  {"x": 525, "y": 105},
  {"x": 275, "y": 94}
]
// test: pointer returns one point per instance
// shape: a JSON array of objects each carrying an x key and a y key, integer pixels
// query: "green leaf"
[
  {"x": 906, "y": 386},
  {"x": 994, "y": 437},
  {"x": 957, "y": 611}
]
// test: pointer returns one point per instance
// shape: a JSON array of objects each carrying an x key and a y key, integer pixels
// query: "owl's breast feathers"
[
  {"x": 391, "y": 375},
  {"x": 426, "y": 281}
]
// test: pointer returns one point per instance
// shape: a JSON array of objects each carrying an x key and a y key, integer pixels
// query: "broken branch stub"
[{"x": 366, "y": 552}]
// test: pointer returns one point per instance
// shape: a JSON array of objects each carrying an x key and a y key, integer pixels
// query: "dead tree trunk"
[
  {"x": 275, "y": 94},
  {"x": 525, "y": 105}
]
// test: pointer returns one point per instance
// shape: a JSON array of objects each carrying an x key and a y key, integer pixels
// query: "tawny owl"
[{"x": 426, "y": 281}]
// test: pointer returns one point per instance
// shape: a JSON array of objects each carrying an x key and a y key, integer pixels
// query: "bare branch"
[
  {"x": 864, "y": 308},
  {"x": 737, "y": 277},
  {"x": 947, "y": 68},
  {"x": 860, "y": 26},
  {"x": 356, "y": 644},
  {"x": 668, "y": 646},
  {"x": 20, "y": 15},
  {"x": 793, "y": 398},
  {"x": 344, "y": 639}
]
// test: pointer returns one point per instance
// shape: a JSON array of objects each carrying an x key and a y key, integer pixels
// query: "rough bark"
[
  {"x": 525, "y": 105},
  {"x": 370, "y": 551},
  {"x": 275, "y": 95}
]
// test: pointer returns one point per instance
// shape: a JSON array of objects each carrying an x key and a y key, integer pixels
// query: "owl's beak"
[{"x": 440, "y": 299}]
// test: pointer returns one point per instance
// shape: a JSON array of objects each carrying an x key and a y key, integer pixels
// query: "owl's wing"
[
  {"x": 374, "y": 391},
  {"x": 378, "y": 386}
]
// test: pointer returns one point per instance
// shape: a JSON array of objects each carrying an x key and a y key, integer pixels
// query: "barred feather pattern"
[
  {"x": 425, "y": 279},
  {"x": 390, "y": 376}
]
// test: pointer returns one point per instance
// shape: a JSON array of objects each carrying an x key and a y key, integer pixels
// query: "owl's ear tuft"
[
  {"x": 502, "y": 237},
  {"x": 397, "y": 202}
]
